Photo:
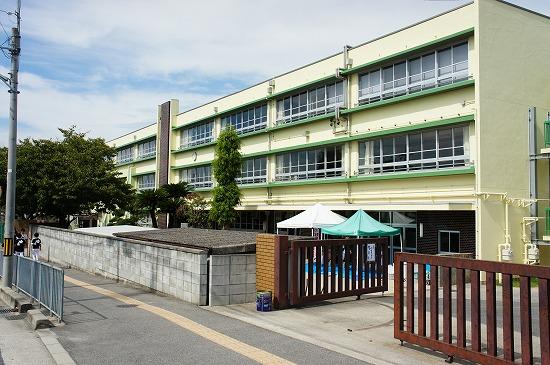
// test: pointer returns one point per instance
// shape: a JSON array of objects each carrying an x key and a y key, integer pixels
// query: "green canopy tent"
[{"x": 361, "y": 224}]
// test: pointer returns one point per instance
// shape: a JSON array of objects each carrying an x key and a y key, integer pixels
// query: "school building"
[{"x": 436, "y": 128}]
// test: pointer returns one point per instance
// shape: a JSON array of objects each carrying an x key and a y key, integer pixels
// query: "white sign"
[{"x": 371, "y": 252}]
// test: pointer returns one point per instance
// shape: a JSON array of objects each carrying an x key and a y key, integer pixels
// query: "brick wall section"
[
  {"x": 176, "y": 271},
  {"x": 265, "y": 262},
  {"x": 232, "y": 279},
  {"x": 433, "y": 221}
]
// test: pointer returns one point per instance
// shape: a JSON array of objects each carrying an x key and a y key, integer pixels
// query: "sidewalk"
[
  {"x": 19, "y": 344},
  {"x": 362, "y": 329}
]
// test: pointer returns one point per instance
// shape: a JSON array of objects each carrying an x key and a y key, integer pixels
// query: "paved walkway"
[
  {"x": 362, "y": 329},
  {"x": 19, "y": 344},
  {"x": 112, "y": 323}
]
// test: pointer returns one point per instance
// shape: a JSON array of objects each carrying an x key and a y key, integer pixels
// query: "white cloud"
[{"x": 100, "y": 63}]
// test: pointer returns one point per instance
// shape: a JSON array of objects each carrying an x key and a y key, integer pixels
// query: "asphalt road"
[{"x": 103, "y": 330}]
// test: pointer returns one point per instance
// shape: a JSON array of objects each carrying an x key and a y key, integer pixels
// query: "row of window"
[
  {"x": 144, "y": 150},
  {"x": 432, "y": 69},
  {"x": 437, "y": 68},
  {"x": 145, "y": 182},
  {"x": 431, "y": 149},
  {"x": 246, "y": 121},
  {"x": 198, "y": 134},
  {"x": 307, "y": 104},
  {"x": 426, "y": 150}
]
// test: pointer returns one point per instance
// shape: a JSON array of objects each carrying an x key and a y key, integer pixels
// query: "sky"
[{"x": 105, "y": 65}]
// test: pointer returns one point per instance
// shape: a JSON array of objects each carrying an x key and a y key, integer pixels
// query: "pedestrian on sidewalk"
[
  {"x": 19, "y": 248},
  {"x": 26, "y": 238},
  {"x": 36, "y": 247}
]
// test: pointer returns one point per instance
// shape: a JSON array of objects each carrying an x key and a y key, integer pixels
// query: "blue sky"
[{"x": 105, "y": 65}]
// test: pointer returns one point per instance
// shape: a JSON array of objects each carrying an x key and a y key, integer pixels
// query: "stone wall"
[
  {"x": 232, "y": 279},
  {"x": 177, "y": 271}
]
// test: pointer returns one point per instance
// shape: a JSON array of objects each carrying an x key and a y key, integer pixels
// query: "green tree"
[
  {"x": 174, "y": 198},
  {"x": 66, "y": 177},
  {"x": 226, "y": 168},
  {"x": 150, "y": 201},
  {"x": 194, "y": 211}
]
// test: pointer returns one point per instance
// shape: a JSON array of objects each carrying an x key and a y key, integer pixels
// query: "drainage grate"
[
  {"x": 16, "y": 317},
  {"x": 7, "y": 310}
]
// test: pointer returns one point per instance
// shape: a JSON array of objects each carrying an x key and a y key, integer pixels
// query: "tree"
[
  {"x": 150, "y": 201},
  {"x": 194, "y": 211},
  {"x": 226, "y": 168},
  {"x": 174, "y": 198},
  {"x": 67, "y": 177}
]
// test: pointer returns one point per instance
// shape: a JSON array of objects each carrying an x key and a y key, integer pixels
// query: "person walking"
[
  {"x": 26, "y": 245},
  {"x": 36, "y": 247},
  {"x": 19, "y": 247}
]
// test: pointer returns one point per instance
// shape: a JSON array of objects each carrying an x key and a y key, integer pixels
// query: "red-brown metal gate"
[
  {"x": 410, "y": 315},
  {"x": 326, "y": 269}
]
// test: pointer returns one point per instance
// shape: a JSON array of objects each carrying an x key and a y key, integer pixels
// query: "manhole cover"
[
  {"x": 127, "y": 305},
  {"x": 16, "y": 317}
]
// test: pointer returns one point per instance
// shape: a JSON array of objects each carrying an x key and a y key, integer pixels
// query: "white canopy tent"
[{"x": 317, "y": 216}]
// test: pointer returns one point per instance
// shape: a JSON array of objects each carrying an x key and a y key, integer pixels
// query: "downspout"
[{"x": 532, "y": 142}]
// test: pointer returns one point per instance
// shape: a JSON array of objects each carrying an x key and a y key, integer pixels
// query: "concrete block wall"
[
  {"x": 232, "y": 279},
  {"x": 265, "y": 262},
  {"x": 176, "y": 271}
]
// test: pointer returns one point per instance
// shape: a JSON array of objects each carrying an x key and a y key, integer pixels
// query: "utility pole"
[{"x": 12, "y": 82}]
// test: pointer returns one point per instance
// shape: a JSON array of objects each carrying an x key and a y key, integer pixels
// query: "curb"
[
  {"x": 15, "y": 299},
  {"x": 56, "y": 350},
  {"x": 37, "y": 320}
]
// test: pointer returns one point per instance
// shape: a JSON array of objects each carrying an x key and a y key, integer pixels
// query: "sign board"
[{"x": 371, "y": 252}]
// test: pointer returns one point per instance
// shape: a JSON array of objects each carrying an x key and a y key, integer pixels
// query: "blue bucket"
[{"x": 263, "y": 301}]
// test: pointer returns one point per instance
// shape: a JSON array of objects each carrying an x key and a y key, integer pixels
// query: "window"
[
  {"x": 249, "y": 120},
  {"x": 145, "y": 182},
  {"x": 320, "y": 100},
  {"x": 449, "y": 241},
  {"x": 437, "y": 68},
  {"x": 253, "y": 171},
  {"x": 310, "y": 164},
  {"x": 430, "y": 149},
  {"x": 147, "y": 149},
  {"x": 197, "y": 177},
  {"x": 125, "y": 155},
  {"x": 249, "y": 221},
  {"x": 196, "y": 135}
]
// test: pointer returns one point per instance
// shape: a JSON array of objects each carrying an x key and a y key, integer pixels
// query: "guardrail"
[
  {"x": 410, "y": 313},
  {"x": 326, "y": 269},
  {"x": 42, "y": 282}
]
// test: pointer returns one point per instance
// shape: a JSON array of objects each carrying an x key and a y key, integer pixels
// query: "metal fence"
[{"x": 40, "y": 281}]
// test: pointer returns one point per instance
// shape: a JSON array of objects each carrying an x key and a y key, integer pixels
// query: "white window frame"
[
  {"x": 197, "y": 177},
  {"x": 254, "y": 176},
  {"x": 198, "y": 134},
  {"x": 146, "y": 182},
  {"x": 449, "y": 233},
  {"x": 411, "y": 83},
  {"x": 307, "y": 103},
  {"x": 299, "y": 166},
  {"x": 368, "y": 166},
  {"x": 125, "y": 155},
  {"x": 147, "y": 149},
  {"x": 248, "y": 120}
]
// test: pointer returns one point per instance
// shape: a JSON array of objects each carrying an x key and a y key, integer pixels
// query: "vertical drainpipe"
[{"x": 532, "y": 142}]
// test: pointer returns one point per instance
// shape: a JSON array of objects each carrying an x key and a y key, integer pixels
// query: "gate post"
[{"x": 282, "y": 249}]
